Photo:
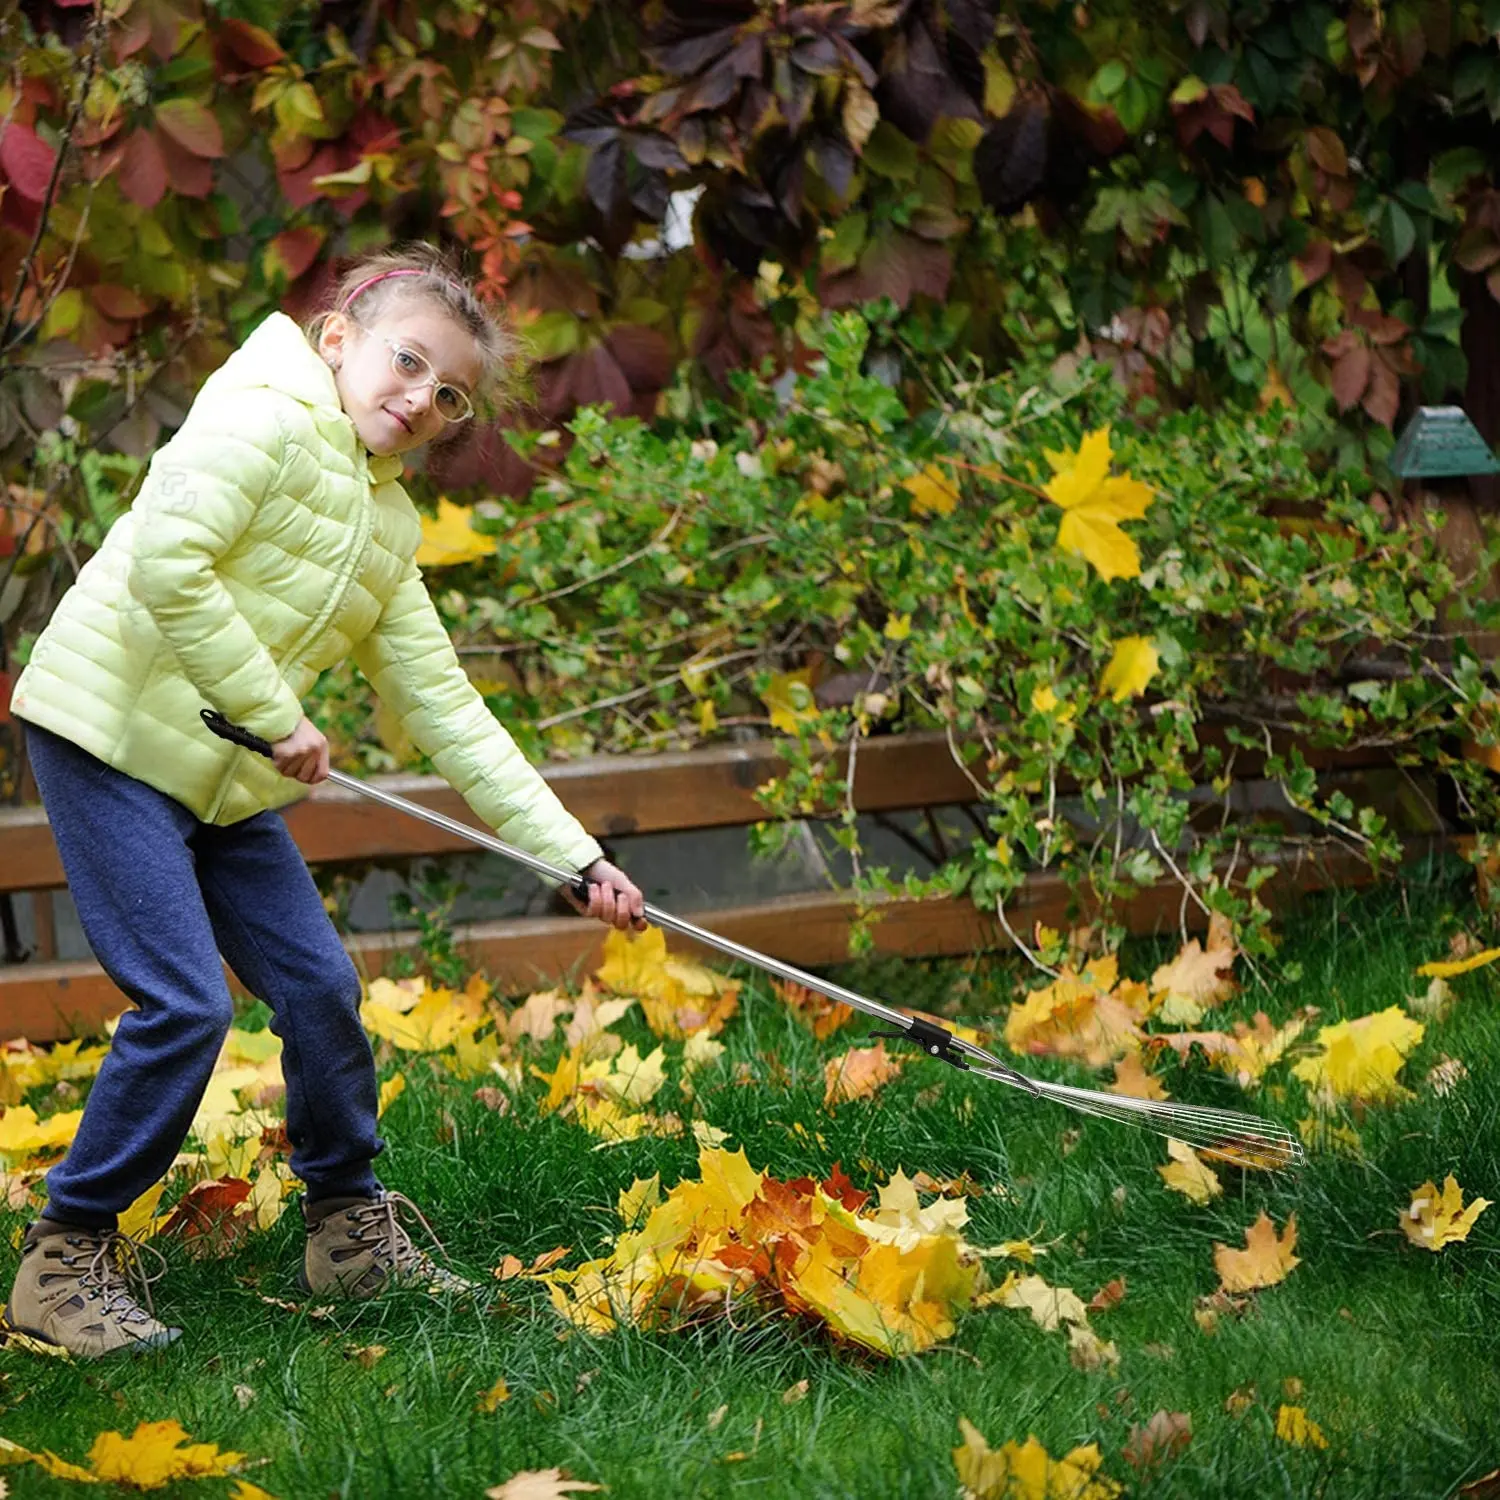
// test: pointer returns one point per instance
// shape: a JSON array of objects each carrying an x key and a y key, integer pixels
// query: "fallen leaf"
[
  {"x": 539, "y": 1484},
  {"x": 1026, "y": 1471},
  {"x": 1360, "y": 1058},
  {"x": 1436, "y": 1219},
  {"x": 494, "y": 1398},
  {"x": 1294, "y": 1427},
  {"x": 1195, "y": 981},
  {"x": 1266, "y": 1259},
  {"x": 1434, "y": 1003},
  {"x": 1132, "y": 1079},
  {"x": 795, "y": 1393},
  {"x": 1049, "y": 1306},
  {"x": 156, "y": 1454},
  {"x": 1188, "y": 1175},
  {"x": 366, "y": 1356},
  {"x": 1163, "y": 1435},
  {"x": 1447, "y": 968},
  {"x": 1111, "y": 1294},
  {"x": 1076, "y": 1016},
  {"x": 857, "y": 1074},
  {"x": 813, "y": 1009}
]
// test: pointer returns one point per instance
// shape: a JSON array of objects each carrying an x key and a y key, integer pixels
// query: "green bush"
[{"x": 821, "y": 564}]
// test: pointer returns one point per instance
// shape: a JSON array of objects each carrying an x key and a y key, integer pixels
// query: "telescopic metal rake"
[{"x": 1221, "y": 1134}]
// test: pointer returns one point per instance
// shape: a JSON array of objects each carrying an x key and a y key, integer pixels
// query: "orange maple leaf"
[{"x": 1265, "y": 1260}]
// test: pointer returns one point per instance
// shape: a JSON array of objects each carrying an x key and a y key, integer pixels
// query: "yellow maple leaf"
[
  {"x": 156, "y": 1454},
  {"x": 22, "y": 1134},
  {"x": 494, "y": 1398},
  {"x": 391, "y": 1090},
  {"x": 1026, "y": 1471},
  {"x": 1195, "y": 981},
  {"x": 1245, "y": 1052},
  {"x": 1094, "y": 503},
  {"x": 630, "y": 1079},
  {"x": 1075, "y": 1016},
  {"x": 450, "y": 538},
  {"x": 433, "y": 1024},
  {"x": 1132, "y": 1079},
  {"x": 1050, "y": 1306},
  {"x": 857, "y": 1073},
  {"x": 1447, "y": 968},
  {"x": 789, "y": 697},
  {"x": 1134, "y": 663},
  {"x": 1265, "y": 1260},
  {"x": 933, "y": 492},
  {"x": 1295, "y": 1427},
  {"x": 1360, "y": 1058},
  {"x": 1436, "y": 1219},
  {"x": 139, "y": 1221},
  {"x": 1188, "y": 1175}
]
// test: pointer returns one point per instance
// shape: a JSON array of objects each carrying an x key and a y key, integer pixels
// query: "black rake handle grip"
[{"x": 233, "y": 733}]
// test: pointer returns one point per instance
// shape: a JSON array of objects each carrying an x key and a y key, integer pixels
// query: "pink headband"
[{"x": 381, "y": 276}]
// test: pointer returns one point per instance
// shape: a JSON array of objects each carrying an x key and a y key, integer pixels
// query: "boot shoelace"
[
  {"x": 391, "y": 1239},
  {"x": 115, "y": 1272}
]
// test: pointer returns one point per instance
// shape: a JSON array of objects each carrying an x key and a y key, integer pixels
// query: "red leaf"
[
  {"x": 143, "y": 171},
  {"x": 595, "y": 379},
  {"x": 1383, "y": 395},
  {"x": 189, "y": 175},
  {"x": 27, "y": 161},
  {"x": 644, "y": 355},
  {"x": 293, "y": 251},
  {"x": 837, "y": 1185},
  {"x": 133, "y": 32},
  {"x": 192, "y": 125},
  {"x": 253, "y": 45},
  {"x": 1316, "y": 261},
  {"x": 1351, "y": 374},
  {"x": 119, "y": 302},
  {"x": 204, "y": 1209}
]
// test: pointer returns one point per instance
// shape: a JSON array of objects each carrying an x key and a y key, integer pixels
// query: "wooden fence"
[{"x": 612, "y": 796}]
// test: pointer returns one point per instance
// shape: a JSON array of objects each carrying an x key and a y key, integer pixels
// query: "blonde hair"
[{"x": 375, "y": 283}]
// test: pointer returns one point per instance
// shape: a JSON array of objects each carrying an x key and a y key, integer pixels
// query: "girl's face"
[{"x": 396, "y": 402}]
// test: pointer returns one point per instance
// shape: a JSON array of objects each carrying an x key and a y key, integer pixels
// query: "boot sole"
[{"x": 11, "y": 1330}]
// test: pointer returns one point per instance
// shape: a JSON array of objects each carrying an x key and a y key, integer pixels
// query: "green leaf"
[
  {"x": 554, "y": 335},
  {"x": 890, "y": 153},
  {"x": 1398, "y": 233},
  {"x": 1109, "y": 80}
]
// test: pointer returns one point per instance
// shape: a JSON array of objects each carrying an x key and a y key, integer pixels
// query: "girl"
[{"x": 271, "y": 539}]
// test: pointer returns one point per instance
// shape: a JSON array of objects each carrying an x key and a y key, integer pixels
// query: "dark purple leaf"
[
  {"x": 857, "y": 61},
  {"x": 657, "y": 151},
  {"x": 604, "y": 179},
  {"x": 681, "y": 58},
  {"x": 1010, "y": 162},
  {"x": 819, "y": 56},
  {"x": 749, "y": 59},
  {"x": 714, "y": 88},
  {"x": 595, "y": 379},
  {"x": 835, "y": 163}
]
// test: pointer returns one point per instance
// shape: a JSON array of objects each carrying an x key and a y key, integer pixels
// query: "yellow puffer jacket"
[{"x": 265, "y": 545}]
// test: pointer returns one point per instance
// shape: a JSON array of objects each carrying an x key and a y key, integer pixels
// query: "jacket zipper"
[{"x": 366, "y": 525}]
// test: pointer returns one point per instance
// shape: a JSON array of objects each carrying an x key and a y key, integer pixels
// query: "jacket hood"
[{"x": 278, "y": 356}]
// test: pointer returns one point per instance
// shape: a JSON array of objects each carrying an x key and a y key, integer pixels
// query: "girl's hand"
[
  {"x": 613, "y": 897},
  {"x": 303, "y": 754}
]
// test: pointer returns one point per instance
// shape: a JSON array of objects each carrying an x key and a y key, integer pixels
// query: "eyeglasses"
[{"x": 450, "y": 403}]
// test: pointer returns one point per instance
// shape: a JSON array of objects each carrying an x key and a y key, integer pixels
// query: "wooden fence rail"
[{"x": 616, "y": 795}]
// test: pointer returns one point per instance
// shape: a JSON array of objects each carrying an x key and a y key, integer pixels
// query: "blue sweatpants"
[{"x": 161, "y": 896}]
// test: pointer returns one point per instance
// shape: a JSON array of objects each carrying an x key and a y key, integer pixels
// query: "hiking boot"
[
  {"x": 357, "y": 1247},
  {"x": 75, "y": 1291}
]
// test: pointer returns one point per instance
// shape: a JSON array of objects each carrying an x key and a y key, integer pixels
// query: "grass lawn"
[{"x": 1397, "y": 1351}]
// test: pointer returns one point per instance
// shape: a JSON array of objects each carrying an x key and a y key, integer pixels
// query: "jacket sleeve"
[
  {"x": 203, "y": 489},
  {"x": 410, "y": 662}
]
